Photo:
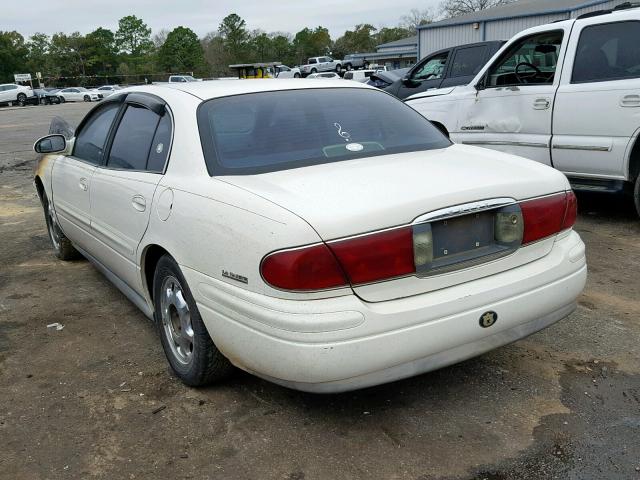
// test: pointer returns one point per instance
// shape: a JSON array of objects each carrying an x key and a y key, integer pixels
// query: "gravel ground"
[{"x": 96, "y": 400}]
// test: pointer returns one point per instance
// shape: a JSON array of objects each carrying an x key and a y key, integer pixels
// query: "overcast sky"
[{"x": 203, "y": 16}]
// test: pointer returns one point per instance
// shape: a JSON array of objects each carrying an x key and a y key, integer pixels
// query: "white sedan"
[
  {"x": 78, "y": 94},
  {"x": 107, "y": 90},
  {"x": 265, "y": 225},
  {"x": 324, "y": 75}
]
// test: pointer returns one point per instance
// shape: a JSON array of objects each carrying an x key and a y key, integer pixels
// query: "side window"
[
  {"x": 132, "y": 141},
  {"x": 431, "y": 69},
  {"x": 468, "y": 61},
  {"x": 312, "y": 60},
  {"x": 348, "y": 76},
  {"x": 160, "y": 145},
  {"x": 607, "y": 52},
  {"x": 90, "y": 142},
  {"x": 530, "y": 60}
]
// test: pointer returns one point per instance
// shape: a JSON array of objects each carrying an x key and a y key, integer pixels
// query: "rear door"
[
  {"x": 426, "y": 75},
  {"x": 124, "y": 185},
  {"x": 465, "y": 64},
  {"x": 597, "y": 110},
  {"x": 71, "y": 176}
]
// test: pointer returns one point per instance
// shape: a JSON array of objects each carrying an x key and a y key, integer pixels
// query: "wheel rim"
[
  {"x": 52, "y": 227},
  {"x": 176, "y": 320}
]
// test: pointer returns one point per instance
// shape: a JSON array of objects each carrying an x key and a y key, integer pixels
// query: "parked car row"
[{"x": 11, "y": 94}]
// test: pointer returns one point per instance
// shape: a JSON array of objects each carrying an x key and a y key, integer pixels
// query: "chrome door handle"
[
  {"x": 82, "y": 183},
  {"x": 541, "y": 103},
  {"x": 630, "y": 101},
  {"x": 139, "y": 203}
]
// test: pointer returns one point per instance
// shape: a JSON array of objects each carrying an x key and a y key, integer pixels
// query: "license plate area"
[{"x": 463, "y": 241}]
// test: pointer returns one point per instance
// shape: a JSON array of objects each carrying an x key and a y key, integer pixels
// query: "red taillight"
[
  {"x": 307, "y": 268},
  {"x": 547, "y": 216},
  {"x": 378, "y": 256},
  {"x": 572, "y": 211}
]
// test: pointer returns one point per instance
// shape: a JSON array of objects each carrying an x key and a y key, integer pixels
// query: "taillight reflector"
[
  {"x": 376, "y": 257},
  {"x": 547, "y": 216},
  {"x": 307, "y": 268}
]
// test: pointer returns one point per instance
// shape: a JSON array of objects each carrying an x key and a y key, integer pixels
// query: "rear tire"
[
  {"x": 313, "y": 70},
  {"x": 296, "y": 75},
  {"x": 338, "y": 69},
  {"x": 21, "y": 99},
  {"x": 636, "y": 195},
  {"x": 87, "y": 98},
  {"x": 62, "y": 246},
  {"x": 348, "y": 67},
  {"x": 191, "y": 353},
  {"x": 61, "y": 100}
]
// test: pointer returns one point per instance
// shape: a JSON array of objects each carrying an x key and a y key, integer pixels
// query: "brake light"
[
  {"x": 547, "y": 216},
  {"x": 307, "y": 268},
  {"x": 378, "y": 256},
  {"x": 572, "y": 211}
]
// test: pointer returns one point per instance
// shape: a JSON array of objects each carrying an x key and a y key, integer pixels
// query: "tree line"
[{"x": 132, "y": 54}]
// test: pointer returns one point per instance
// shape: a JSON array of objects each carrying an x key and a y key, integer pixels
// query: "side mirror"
[
  {"x": 50, "y": 144},
  {"x": 407, "y": 80},
  {"x": 481, "y": 84}
]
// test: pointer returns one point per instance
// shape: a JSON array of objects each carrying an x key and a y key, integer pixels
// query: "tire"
[
  {"x": 366, "y": 66},
  {"x": 62, "y": 246},
  {"x": 21, "y": 99},
  {"x": 87, "y": 98},
  {"x": 61, "y": 100},
  {"x": 338, "y": 69},
  {"x": 191, "y": 353},
  {"x": 349, "y": 67},
  {"x": 636, "y": 195},
  {"x": 43, "y": 101},
  {"x": 296, "y": 75},
  {"x": 313, "y": 70}
]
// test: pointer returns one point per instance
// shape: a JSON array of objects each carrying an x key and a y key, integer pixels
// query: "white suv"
[
  {"x": 12, "y": 93},
  {"x": 566, "y": 94}
]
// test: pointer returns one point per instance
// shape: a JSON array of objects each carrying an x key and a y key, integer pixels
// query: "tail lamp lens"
[
  {"x": 376, "y": 257},
  {"x": 307, "y": 268},
  {"x": 547, "y": 216}
]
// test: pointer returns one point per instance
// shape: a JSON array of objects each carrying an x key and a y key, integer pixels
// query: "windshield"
[
  {"x": 270, "y": 131},
  {"x": 189, "y": 78}
]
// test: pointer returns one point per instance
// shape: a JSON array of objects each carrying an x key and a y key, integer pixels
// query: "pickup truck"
[
  {"x": 445, "y": 68},
  {"x": 321, "y": 64},
  {"x": 354, "y": 62},
  {"x": 566, "y": 94}
]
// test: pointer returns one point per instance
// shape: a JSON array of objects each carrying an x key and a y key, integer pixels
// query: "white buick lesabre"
[{"x": 322, "y": 235}]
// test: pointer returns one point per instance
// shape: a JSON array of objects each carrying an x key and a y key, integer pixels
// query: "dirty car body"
[{"x": 303, "y": 245}]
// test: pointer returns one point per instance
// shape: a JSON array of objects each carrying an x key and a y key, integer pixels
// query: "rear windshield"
[{"x": 269, "y": 131}]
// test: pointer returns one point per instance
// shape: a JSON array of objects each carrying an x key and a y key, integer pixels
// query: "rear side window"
[
  {"x": 348, "y": 76},
  {"x": 468, "y": 61},
  {"x": 132, "y": 143},
  {"x": 160, "y": 145},
  {"x": 270, "y": 131},
  {"x": 90, "y": 142},
  {"x": 608, "y": 52},
  {"x": 312, "y": 60}
]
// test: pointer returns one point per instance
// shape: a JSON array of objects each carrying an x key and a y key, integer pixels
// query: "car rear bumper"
[{"x": 344, "y": 343}]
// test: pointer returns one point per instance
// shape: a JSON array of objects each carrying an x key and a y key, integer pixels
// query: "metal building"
[{"x": 501, "y": 23}]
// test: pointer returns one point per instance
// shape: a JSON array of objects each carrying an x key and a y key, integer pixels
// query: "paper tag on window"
[{"x": 159, "y": 148}]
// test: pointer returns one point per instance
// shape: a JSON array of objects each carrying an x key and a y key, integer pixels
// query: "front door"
[
  {"x": 123, "y": 188},
  {"x": 598, "y": 103},
  {"x": 72, "y": 176},
  {"x": 512, "y": 110},
  {"x": 425, "y": 76}
]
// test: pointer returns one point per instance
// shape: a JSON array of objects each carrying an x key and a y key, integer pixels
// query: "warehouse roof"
[
  {"x": 523, "y": 8},
  {"x": 403, "y": 42}
]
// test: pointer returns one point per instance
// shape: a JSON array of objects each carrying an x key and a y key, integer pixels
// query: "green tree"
[
  {"x": 133, "y": 36},
  {"x": 215, "y": 54},
  {"x": 261, "y": 46},
  {"x": 68, "y": 54},
  {"x": 181, "y": 51},
  {"x": 236, "y": 39},
  {"x": 101, "y": 52},
  {"x": 391, "y": 34},
  {"x": 453, "y": 8},
  {"x": 310, "y": 43},
  {"x": 38, "y": 57},
  {"x": 13, "y": 55},
  {"x": 358, "y": 40}
]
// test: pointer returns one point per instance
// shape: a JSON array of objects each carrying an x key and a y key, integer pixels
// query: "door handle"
[
  {"x": 630, "y": 101},
  {"x": 541, "y": 103},
  {"x": 82, "y": 183},
  {"x": 139, "y": 203}
]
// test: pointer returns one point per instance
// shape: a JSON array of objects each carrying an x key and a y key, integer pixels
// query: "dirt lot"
[{"x": 95, "y": 400}]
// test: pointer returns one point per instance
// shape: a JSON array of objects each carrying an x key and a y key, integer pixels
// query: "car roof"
[{"x": 223, "y": 88}]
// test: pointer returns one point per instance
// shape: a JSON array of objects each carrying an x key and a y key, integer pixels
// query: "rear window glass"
[
  {"x": 468, "y": 61},
  {"x": 269, "y": 131}
]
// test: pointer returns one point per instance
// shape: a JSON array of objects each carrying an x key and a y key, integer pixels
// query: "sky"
[{"x": 204, "y": 16}]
